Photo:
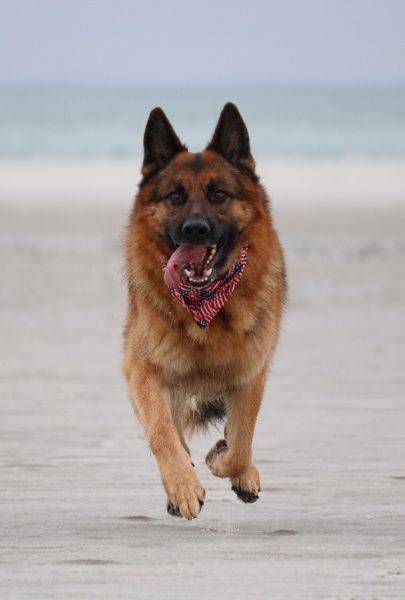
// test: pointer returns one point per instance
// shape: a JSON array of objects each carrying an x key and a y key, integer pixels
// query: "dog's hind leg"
[
  {"x": 232, "y": 457},
  {"x": 185, "y": 494}
]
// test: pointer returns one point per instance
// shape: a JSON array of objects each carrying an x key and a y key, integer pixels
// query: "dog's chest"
[{"x": 219, "y": 354}]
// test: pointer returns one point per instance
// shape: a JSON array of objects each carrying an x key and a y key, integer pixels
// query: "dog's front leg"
[
  {"x": 185, "y": 495},
  {"x": 232, "y": 457}
]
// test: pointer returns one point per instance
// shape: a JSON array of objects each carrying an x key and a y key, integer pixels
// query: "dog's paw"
[
  {"x": 185, "y": 494},
  {"x": 219, "y": 448},
  {"x": 247, "y": 486},
  {"x": 245, "y": 481},
  {"x": 216, "y": 459},
  {"x": 223, "y": 463},
  {"x": 173, "y": 510}
]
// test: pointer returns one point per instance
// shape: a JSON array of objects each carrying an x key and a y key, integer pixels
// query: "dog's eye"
[
  {"x": 218, "y": 196},
  {"x": 177, "y": 198}
]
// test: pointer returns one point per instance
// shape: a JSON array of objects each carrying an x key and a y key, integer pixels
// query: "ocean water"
[{"x": 284, "y": 122}]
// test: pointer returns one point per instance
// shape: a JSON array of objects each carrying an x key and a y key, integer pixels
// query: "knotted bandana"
[{"x": 203, "y": 304}]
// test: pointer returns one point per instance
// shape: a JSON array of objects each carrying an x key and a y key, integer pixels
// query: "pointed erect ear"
[
  {"x": 160, "y": 142},
  {"x": 231, "y": 138}
]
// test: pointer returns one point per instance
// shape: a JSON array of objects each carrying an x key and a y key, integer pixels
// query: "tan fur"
[{"x": 171, "y": 365}]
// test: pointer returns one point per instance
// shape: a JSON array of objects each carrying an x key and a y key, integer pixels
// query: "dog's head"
[{"x": 200, "y": 206}]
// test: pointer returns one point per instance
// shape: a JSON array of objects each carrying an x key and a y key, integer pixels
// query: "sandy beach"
[{"x": 82, "y": 508}]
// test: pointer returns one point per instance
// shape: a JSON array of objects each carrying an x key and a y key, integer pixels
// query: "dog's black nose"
[{"x": 196, "y": 230}]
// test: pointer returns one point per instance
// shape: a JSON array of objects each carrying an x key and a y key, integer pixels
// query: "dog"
[{"x": 206, "y": 290}]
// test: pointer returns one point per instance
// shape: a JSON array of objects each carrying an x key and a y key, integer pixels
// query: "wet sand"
[{"x": 82, "y": 508}]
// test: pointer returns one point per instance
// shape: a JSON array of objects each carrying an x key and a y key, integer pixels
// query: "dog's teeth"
[{"x": 211, "y": 255}]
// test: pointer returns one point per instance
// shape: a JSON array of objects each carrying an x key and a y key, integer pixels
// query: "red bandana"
[{"x": 203, "y": 304}]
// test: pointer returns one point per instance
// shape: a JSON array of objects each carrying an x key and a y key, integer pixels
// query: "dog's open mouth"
[{"x": 191, "y": 264}]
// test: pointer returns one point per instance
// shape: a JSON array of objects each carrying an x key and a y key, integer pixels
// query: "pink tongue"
[{"x": 181, "y": 256}]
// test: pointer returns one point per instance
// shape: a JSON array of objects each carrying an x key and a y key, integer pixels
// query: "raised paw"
[
  {"x": 220, "y": 447},
  {"x": 224, "y": 463},
  {"x": 185, "y": 494},
  {"x": 247, "y": 486},
  {"x": 216, "y": 459}
]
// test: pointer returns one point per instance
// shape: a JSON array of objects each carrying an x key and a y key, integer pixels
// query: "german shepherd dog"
[{"x": 206, "y": 288}]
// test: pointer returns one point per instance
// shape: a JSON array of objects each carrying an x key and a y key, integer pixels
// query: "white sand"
[{"x": 82, "y": 508}]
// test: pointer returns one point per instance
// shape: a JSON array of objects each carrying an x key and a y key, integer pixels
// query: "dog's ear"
[
  {"x": 160, "y": 142},
  {"x": 231, "y": 138}
]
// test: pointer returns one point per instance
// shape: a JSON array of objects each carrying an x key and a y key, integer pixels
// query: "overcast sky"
[{"x": 186, "y": 41}]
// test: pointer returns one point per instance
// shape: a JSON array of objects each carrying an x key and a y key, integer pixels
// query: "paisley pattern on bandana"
[{"x": 203, "y": 304}]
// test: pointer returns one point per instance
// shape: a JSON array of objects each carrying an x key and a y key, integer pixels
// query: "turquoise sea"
[{"x": 284, "y": 122}]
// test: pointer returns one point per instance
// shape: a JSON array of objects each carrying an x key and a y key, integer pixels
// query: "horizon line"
[{"x": 209, "y": 84}]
